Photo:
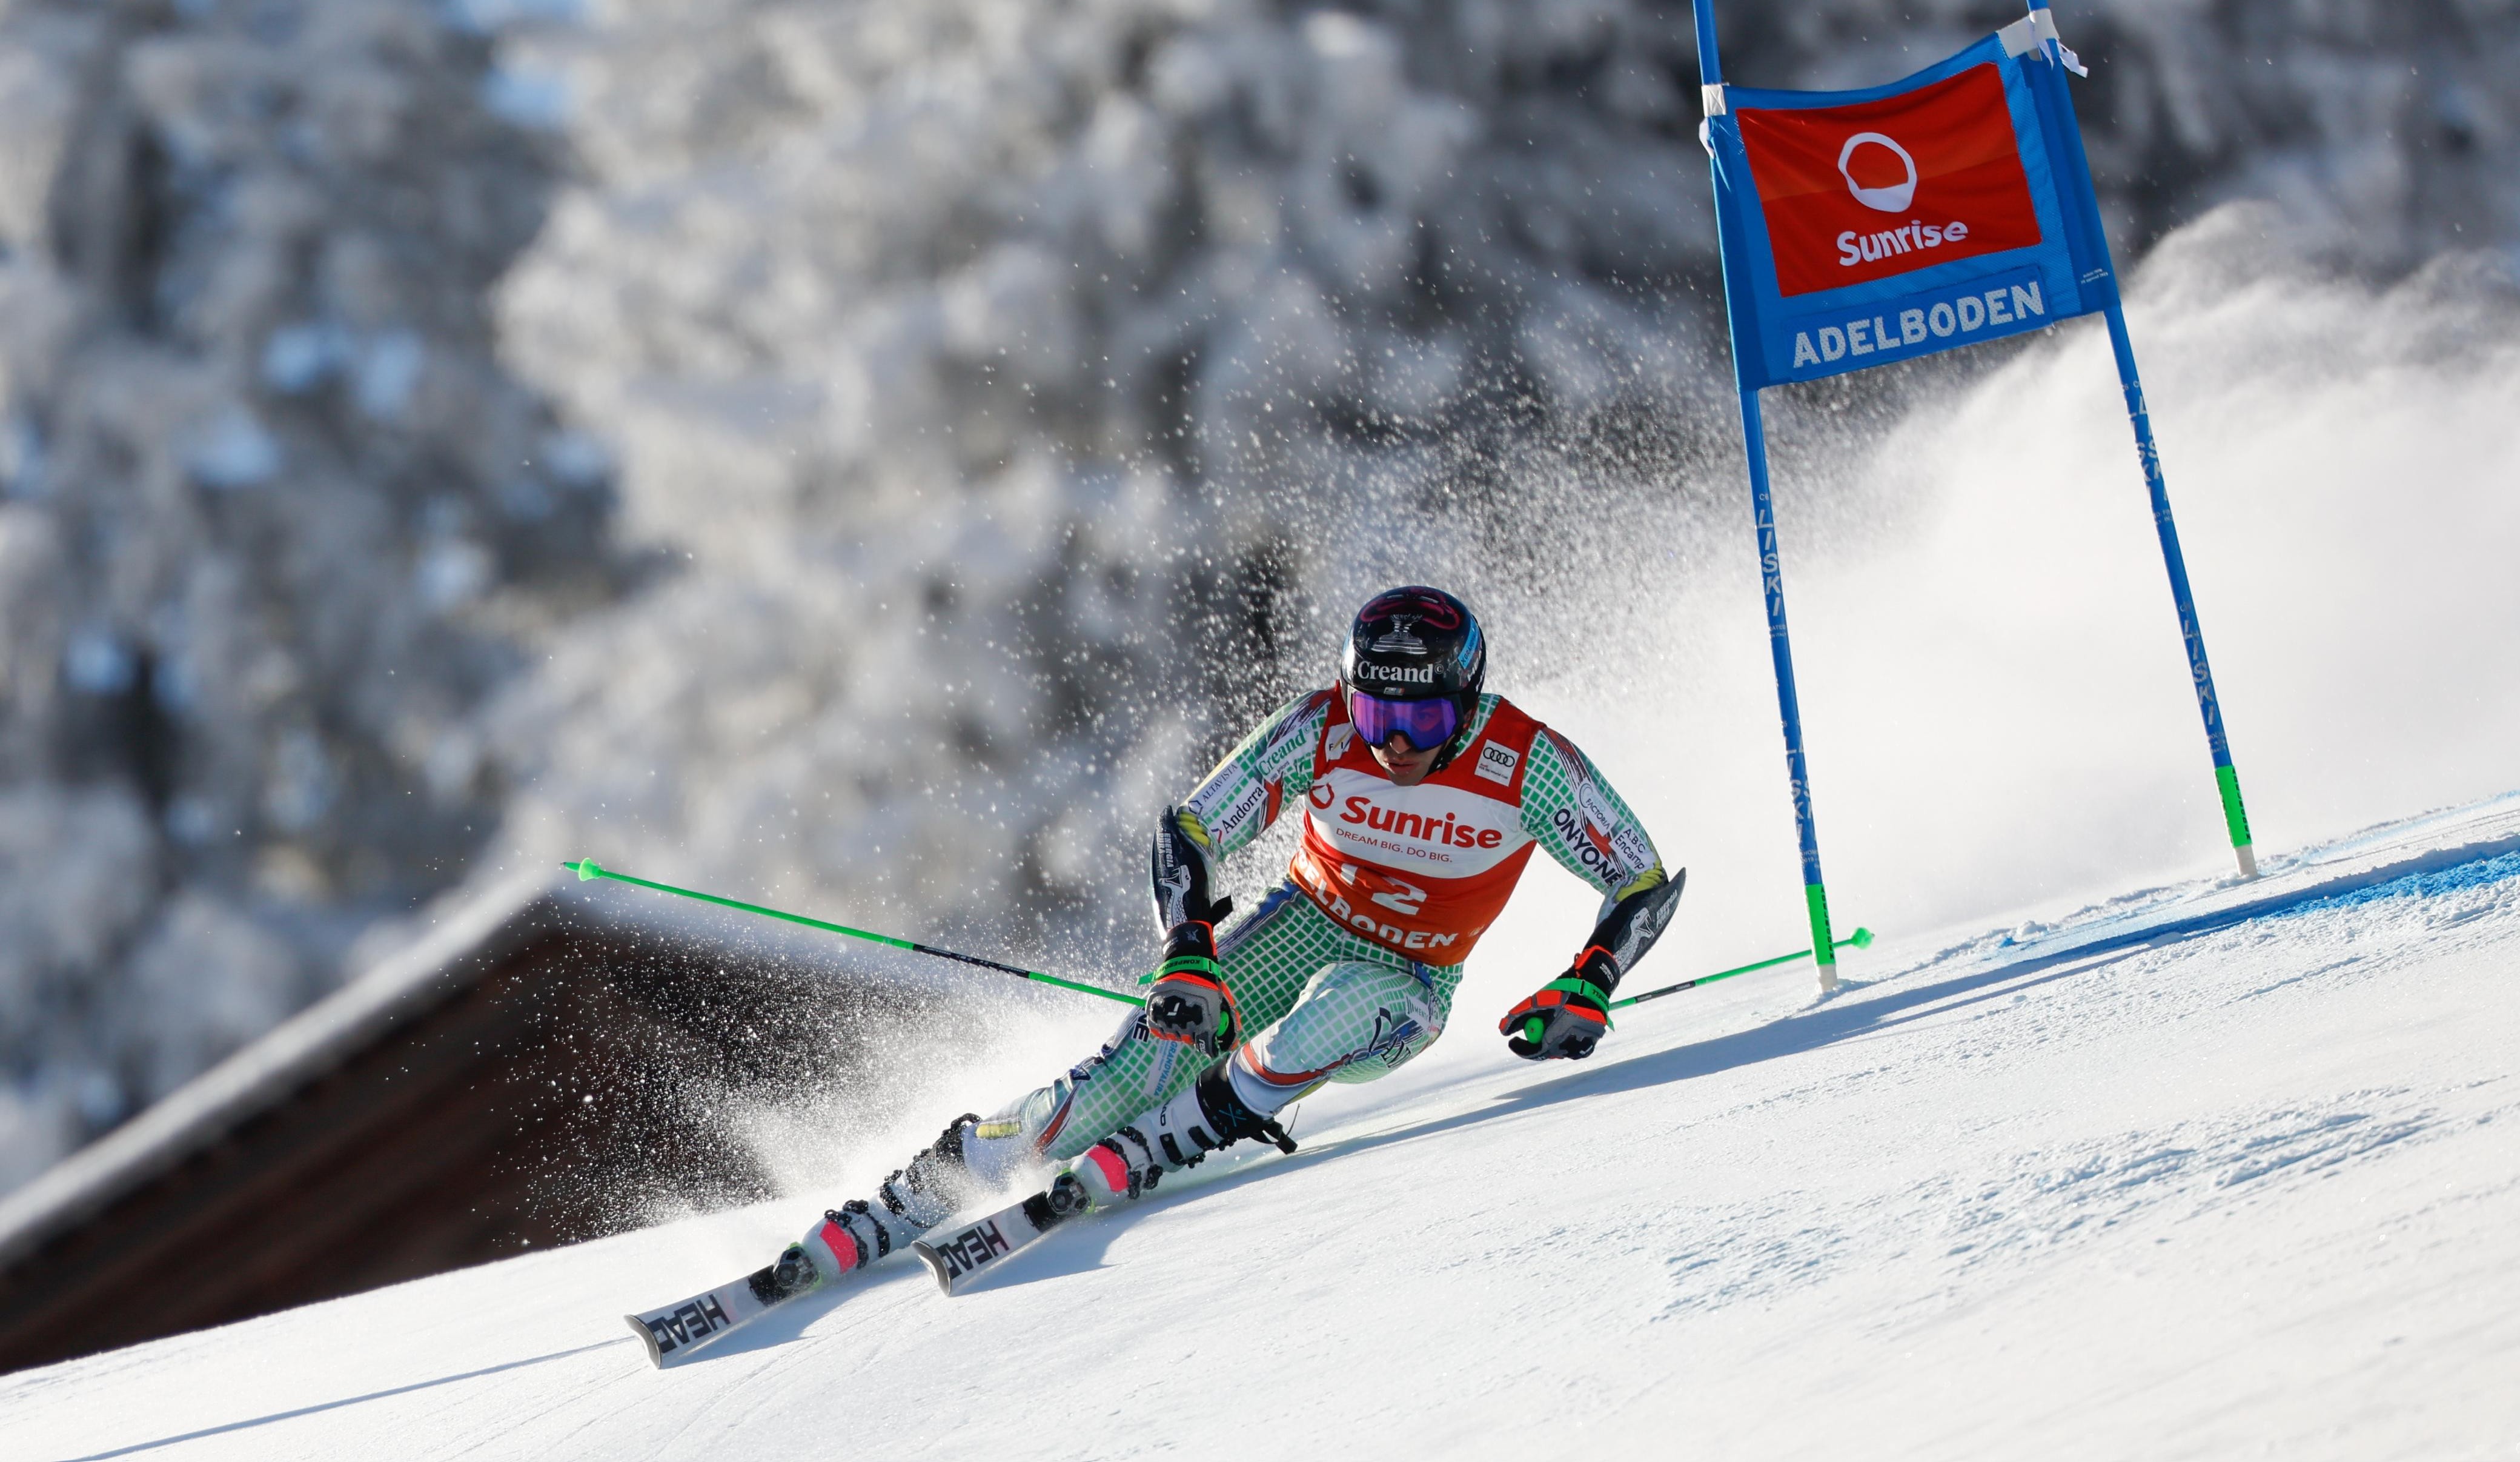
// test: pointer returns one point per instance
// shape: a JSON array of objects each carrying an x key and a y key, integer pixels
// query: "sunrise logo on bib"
[{"x": 1421, "y": 870}]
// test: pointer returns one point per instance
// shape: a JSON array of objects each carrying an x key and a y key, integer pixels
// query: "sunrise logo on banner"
[
  {"x": 1862, "y": 227},
  {"x": 1880, "y": 225}
]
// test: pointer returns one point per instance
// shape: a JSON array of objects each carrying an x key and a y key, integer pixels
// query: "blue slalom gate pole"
[
  {"x": 2235, "y": 816},
  {"x": 1772, "y": 573},
  {"x": 1763, "y": 509},
  {"x": 2078, "y": 166}
]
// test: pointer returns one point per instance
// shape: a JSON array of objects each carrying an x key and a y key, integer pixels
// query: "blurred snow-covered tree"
[{"x": 272, "y": 518}]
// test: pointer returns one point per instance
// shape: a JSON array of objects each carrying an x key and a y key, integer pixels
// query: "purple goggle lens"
[{"x": 1427, "y": 724}]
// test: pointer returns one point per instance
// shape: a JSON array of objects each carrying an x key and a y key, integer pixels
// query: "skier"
[{"x": 1422, "y": 798}]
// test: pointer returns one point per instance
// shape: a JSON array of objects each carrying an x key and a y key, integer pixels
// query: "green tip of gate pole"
[
  {"x": 1861, "y": 937},
  {"x": 584, "y": 868},
  {"x": 1532, "y": 1028}
]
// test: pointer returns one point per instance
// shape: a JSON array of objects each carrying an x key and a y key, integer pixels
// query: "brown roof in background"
[{"x": 530, "y": 1072}]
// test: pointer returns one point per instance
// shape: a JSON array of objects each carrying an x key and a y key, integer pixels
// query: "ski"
[
  {"x": 674, "y": 1332},
  {"x": 983, "y": 1242}
]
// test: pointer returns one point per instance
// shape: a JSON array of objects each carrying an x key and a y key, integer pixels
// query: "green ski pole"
[
  {"x": 586, "y": 868},
  {"x": 1862, "y": 938}
]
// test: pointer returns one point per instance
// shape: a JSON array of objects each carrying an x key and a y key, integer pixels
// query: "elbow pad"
[
  {"x": 1629, "y": 927},
  {"x": 1181, "y": 873}
]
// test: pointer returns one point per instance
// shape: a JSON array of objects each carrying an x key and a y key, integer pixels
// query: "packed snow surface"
[{"x": 2207, "y": 1169}]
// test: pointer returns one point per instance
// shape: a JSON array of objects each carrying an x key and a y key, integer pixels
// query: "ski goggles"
[{"x": 1428, "y": 724}]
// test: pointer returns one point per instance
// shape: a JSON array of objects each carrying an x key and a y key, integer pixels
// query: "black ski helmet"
[{"x": 1415, "y": 643}]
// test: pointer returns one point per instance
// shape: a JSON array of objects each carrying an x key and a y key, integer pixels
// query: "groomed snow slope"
[{"x": 2205, "y": 1171}]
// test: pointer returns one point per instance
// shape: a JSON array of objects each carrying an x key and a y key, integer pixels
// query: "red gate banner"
[{"x": 1864, "y": 192}]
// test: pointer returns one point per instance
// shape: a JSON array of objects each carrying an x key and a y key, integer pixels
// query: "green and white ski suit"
[{"x": 1334, "y": 976}]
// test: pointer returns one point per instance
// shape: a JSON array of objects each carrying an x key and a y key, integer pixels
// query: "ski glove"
[
  {"x": 1566, "y": 1017},
  {"x": 1188, "y": 1002}
]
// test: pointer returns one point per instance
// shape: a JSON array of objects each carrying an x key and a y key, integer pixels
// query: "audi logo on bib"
[{"x": 1865, "y": 192}]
